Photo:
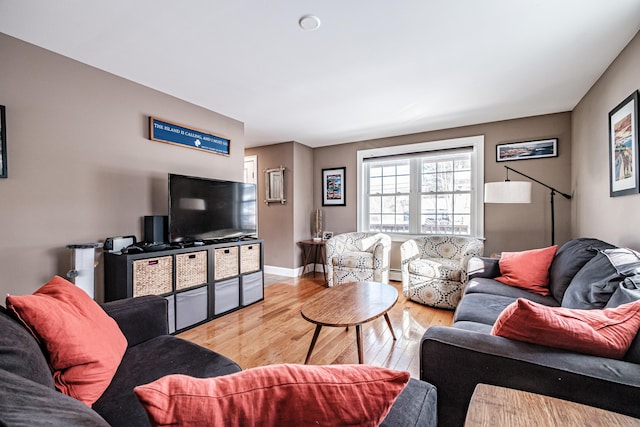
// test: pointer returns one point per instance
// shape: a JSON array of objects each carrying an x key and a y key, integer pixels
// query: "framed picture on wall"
[
  {"x": 623, "y": 147},
  {"x": 333, "y": 187},
  {"x": 527, "y": 150},
  {"x": 3, "y": 143}
]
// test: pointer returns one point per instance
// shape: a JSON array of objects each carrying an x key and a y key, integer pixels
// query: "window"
[{"x": 421, "y": 189}]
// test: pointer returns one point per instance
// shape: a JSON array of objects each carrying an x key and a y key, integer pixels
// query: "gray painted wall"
[
  {"x": 81, "y": 166},
  {"x": 507, "y": 227},
  {"x": 595, "y": 214}
]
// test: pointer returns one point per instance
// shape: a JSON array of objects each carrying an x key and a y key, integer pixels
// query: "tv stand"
[{"x": 200, "y": 283}]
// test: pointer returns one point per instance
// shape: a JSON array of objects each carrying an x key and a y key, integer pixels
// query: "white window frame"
[{"x": 476, "y": 143}]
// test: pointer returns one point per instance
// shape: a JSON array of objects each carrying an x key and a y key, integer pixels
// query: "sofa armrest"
[
  {"x": 140, "y": 318},
  {"x": 483, "y": 267},
  {"x": 456, "y": 360}
]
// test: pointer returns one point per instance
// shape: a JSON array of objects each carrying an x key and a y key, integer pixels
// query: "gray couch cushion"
[
  {"x": 20, "y": 352},
  {"x": 481, "y": 308},
  {"x": 569, "y": 259},
  {"x": 147, "y": 362},
  {"x": 473, "y": 327},
  {"x": 595, "y": 283},
  {"x": 492, "y": 287},
  {"x": 26, "y": 403},
  {"x": 416, "y": 406}
]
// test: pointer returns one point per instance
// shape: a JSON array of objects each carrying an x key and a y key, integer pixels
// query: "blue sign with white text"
[{"x": 175, "y": 134}]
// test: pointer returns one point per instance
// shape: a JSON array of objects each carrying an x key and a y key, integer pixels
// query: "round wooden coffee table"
[{"x": 350, "y": 304}]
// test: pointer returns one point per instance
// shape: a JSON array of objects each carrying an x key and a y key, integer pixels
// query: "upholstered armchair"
[
  {"x": 358, "y": 256},
  {"x": 434, "y": 268}
]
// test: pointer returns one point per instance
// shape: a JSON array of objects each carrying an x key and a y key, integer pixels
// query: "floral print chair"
[
  {"x": 434, "y": 268},
  {"x": 358, "y": 256}
]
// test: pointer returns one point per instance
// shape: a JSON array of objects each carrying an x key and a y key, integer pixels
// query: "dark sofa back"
[
  {"x": 20, "y": 352},
  {"x": 569, "y": 259}
]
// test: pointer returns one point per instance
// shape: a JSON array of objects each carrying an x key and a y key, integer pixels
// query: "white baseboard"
[
  {"x": 281, "y": 271},
  {"x": 394, "y": 274},
  {"x": 292, "y": 272}
]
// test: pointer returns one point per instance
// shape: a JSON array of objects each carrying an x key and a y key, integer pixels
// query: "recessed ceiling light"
[{"x": 309, "y": 22}]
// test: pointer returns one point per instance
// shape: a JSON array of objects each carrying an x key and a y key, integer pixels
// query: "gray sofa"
[
  {"x": 28, "y": 396},
  {"x": 584, "y": 274}
]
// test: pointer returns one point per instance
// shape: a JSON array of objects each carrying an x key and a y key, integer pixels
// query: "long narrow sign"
[{"x": 173, "y": 133}]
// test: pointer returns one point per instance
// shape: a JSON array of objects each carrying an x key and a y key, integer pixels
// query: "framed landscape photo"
[
  {"x": 333, "y": 187},
  {"x": 623, "y": 147},
  {"x": 527, "y": 150},
  {"x": 3, "y": 143}
]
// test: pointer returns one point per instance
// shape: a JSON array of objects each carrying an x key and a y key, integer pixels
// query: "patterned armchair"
[
  {"x": 355, "y": 257},
  {"x": 434, "y": 268}
]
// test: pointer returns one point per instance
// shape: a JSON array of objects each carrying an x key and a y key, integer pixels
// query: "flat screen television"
[{"x": 202, "y": 209}]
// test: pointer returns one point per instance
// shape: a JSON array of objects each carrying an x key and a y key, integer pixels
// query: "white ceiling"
[{"x": 373, "y": 69}]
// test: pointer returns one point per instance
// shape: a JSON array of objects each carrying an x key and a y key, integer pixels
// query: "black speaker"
[{"x": 155, "y": 229}]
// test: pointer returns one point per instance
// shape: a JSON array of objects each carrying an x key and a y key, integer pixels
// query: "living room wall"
[
  {"x": 281, "y": 226},
  {"x": 507, "y": 227},
  {"x": 595, "y": 213},
  {"x": 81, "y": 166}
]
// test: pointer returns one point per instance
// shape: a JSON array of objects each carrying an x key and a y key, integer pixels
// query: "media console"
[{"x": 200, "y": 283}]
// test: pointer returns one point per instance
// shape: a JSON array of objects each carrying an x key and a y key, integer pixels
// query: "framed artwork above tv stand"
[{"x": 200, "y": 281}]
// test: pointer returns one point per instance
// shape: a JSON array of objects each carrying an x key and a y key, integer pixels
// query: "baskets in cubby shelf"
[
  {"x": 249, "y": 258},
  {"x": 191, "y": 269},
  {"x": 226, "y": 262},
  {"x": 152, "y": 276}
]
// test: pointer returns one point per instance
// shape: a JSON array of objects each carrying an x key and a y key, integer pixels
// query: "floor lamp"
[{"x": 519, "y": 192}]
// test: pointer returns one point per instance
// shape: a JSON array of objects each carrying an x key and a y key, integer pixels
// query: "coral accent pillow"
[
  {"x": 605, "y": 333},
  {"x": 84, "y": 345},
  {"x": 527, "y": 270},
  {"x": 276, "y": 395}
]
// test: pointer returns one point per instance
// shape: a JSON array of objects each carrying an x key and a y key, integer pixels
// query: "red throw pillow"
[
  {"x": 605, "y": 333},
  {"x": 84, "y": 345},
  {"x": 527, "y": 269},
  {"x": 276, "y": 395}
]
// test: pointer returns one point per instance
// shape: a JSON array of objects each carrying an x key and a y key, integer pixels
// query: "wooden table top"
[
  {"x": 350, "y": 304},
  {"x": 493, "y": 406},
  {"x": 312, "y": 242}
]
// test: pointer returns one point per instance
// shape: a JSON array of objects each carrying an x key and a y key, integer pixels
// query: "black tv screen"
[{"x": 202, "y": 209}]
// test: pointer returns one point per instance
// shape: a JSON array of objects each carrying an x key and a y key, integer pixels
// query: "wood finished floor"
[{"x": 273, "y": 331}]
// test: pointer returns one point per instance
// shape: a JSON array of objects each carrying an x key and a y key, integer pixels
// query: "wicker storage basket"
[
  {"x": 152, "y": 276},
  {"x": 226, "y": 262},
  {"x": 191, "y": 269},
  {"x": 249, "y": 258}
]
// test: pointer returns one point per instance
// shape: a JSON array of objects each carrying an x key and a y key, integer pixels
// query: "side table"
[
  {"x": 312, "y": 246},
  {"x": 499, "y": 406}
]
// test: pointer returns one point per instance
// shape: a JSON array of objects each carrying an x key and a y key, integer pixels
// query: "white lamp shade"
[{"x": 507, "y": 192}]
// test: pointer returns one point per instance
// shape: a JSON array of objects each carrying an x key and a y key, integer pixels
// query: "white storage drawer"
[
  {"x": 226, "y": 295},
  {"x": 191, "y": 307},
  {"x": 252, "y": 289},
  {"x": 171, "y": 312}
]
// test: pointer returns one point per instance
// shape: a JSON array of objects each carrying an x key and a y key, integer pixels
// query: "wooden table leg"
[
  {"x": 359, "y": 341},
  {"x": 323, "y": 253},
  {"x": 386, "y": 317},
  {"x": 313, "y": 343},
  {"x": 315, "y": 259},
  {"x": 306, "y": 259}
]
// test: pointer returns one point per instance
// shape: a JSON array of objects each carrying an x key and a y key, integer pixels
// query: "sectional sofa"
[
  {"x": 28, "y": 396},
  {"x": 584, "y": 274}
]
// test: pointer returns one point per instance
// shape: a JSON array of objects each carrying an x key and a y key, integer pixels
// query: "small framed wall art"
[
  {"x": 527, "y": 150},
  {"x": 3, "y": 143},
  {"x": 623, "y": 147},
  {"x": 177, "y": 134},
  {"x": 333, "y": 187}
]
